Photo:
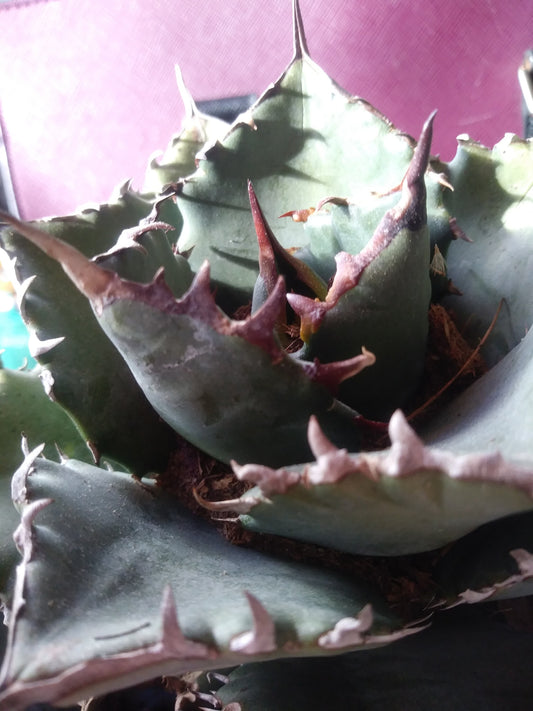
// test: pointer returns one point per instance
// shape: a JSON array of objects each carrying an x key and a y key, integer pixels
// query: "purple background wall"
[{"x": 87, "y": 89}]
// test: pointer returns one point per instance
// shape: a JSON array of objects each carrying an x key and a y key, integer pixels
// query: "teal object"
[{"x": 14, "y": 350}]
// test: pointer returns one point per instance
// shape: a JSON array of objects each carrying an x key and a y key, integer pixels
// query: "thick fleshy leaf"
[
  {"x": 149, "y": 563},
  {"x": 495, "y": 414},
  {"x": 391, "y": 322},
  {"x": 491, "y": 563},
  {"x": 404, "y": 500},
  {"x": 493, "y": 204},
  {"x": 465, "y": 662},
  {"x": 303, "y": 140},
  {"x": 25, "y": 409},
  {"x": 200, "y": 376},
  {"x": 199, "y": 368},
  {"x": 378, "y": 299},
  {"x": 88, "y": 377}
]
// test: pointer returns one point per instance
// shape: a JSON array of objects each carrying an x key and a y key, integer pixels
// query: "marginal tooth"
[
  {"x": 270, "y": 481},
  {"x": 47, "y": 380},
  {"x": 300, "y": 215},
  {"x": 332, "y": 200},
  {"x": 23, "y": 535},
  {"x": 331, "y": 375},
  {"x": 121, "y": 190},
  {"x": 24, "y": 445},
  {"x": 21, "y": 289},
  {"x": 407, "y": 631},
  {"x": 63, "y": 458},
  {"x": 331, "y": 464},
  {"x": 38, "y": 348},
  {"x": 202, "y": 281},
  {"x": 92, "y": 448},
  {"x": 320, "y": 445},
  {"x": 457, "y": 232},
  {"x": 438, "y": 263},
  {"x": 401, "y": 432},
  {"x": 18, "y": 482},
  {"x": 173, "y": 640},
  {"x": 239, "y": 506},
  {"x": 442, "y": 179},
  {"x": 199, "y": 302},
  {"x": 348, "y": 632},
  {"x": 128, "y": 238},
  {"x": 407, "y": 452},
  {"x": 189, "y": 103},
  {"x": 259, "y": 328},
  {"x": 261, "y": 638},
  {"x": 472, "y": 597},
  {"x": 524, "y": 560}
]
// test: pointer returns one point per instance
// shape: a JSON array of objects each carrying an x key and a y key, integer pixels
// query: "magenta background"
[{"x": 87, "y": 89}]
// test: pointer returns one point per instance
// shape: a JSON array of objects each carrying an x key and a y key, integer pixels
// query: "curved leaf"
[
  {"x": 494, "y": 414},
  {"x": 491, "y": 563},
  {"x": 466, "y": 662},
  {"x": 148, "y": 560},
  {"x": 26, "y": 410},
  {"x": 303, "y": 140},
  {"x": 199, "y": 368},
  {"x": 404, "y": 500},
  {"x": 497, "y": 265},
  {"x": 88, "y": 376}
]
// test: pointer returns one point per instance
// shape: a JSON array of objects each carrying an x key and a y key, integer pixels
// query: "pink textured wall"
[{"x": 87, "y": 87}]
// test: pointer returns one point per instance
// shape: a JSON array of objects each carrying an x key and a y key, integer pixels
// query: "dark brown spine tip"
[
  {"x": 300, "y": 42},
  {"x": 266, "y": 241},
  {"x": 414, "y": 186},
  {"x": 419, "y": 162}
]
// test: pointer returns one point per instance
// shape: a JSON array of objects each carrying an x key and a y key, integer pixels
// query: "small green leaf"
[{"x": 25, "y": 409}]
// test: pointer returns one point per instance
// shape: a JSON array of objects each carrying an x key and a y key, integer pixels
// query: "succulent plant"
[{"x": 259, "y": 453}]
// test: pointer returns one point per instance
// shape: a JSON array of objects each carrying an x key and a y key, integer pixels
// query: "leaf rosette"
[{"x": 274, "y": 346}]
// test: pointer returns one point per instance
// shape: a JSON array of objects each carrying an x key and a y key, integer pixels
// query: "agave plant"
[{"x": 262, "y": 457}]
